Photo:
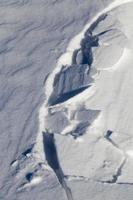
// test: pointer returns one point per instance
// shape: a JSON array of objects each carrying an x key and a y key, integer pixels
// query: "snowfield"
[{"x": 66, "y": 128}]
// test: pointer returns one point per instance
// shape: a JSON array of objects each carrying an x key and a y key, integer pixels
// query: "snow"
[
  {"x": 36, "y": 180},
  {"x": 99, "y": 96},
  {"x": 36, "y": 47},
  {"x": 129, "y": 153}
]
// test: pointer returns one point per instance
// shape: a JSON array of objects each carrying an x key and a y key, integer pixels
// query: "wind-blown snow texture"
[{"x": 86, "y": 106}]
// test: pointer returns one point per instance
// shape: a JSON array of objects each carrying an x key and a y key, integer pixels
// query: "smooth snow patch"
[
  {"x": 126, "y": 55},
  {"x": 79, "y": 140},
  {"x": 98, "y": 128},
  {"x": 36, "y": 180},
  {"x": 129, "y": 153},
  {"x": 69, "y": 128}
]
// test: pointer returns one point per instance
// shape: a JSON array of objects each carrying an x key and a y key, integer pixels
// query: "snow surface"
[{"x": 89, "y": 110}]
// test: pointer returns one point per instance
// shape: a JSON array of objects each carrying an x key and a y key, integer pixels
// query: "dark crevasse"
[
  {"x": 50, "y": 150},
  {"x": 66, "y": 96},
  {"x": 81, "y": 59},
  {"x": 84, "y": 55},
  {"x": 52, "y": 159},
  {"x": 119, "y": 170}
]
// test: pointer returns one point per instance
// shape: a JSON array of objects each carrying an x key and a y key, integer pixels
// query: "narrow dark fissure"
[
  {"x": 119, "y": 170},
  {"x": 84, "y": 55},
  {"x": 66, "y": 96},
  {"x": 53, "y": 161},
  {"x": 95, "y": 24},
  {"x": 107, "y": 137},
  {"x": 117, "y": 175},
  {"x": 28, "y": 151},
  {"x": 29, "y": 176}
]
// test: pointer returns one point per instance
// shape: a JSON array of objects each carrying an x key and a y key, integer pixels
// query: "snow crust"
[
  {"x": 101, "y": 97},
  {"x": 87, "y": 108}
]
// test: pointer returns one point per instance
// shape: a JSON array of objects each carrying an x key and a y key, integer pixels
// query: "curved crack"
[{"x": 119, "y": 170}]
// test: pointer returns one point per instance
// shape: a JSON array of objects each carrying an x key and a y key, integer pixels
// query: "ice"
[{"x": 41, "y": 90}]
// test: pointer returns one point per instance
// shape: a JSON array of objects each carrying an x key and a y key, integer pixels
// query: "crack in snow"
[
  {"x": 119, "y": 170},
  {"x": 52, "y": 159},
  {"x": 65, "y": 60}
]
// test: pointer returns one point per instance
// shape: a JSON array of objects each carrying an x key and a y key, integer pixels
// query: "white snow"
[
  {"x": 36, "y": 180},
  {"x": 106, "y": 94},
  {"x": 130, "y": 153}
]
